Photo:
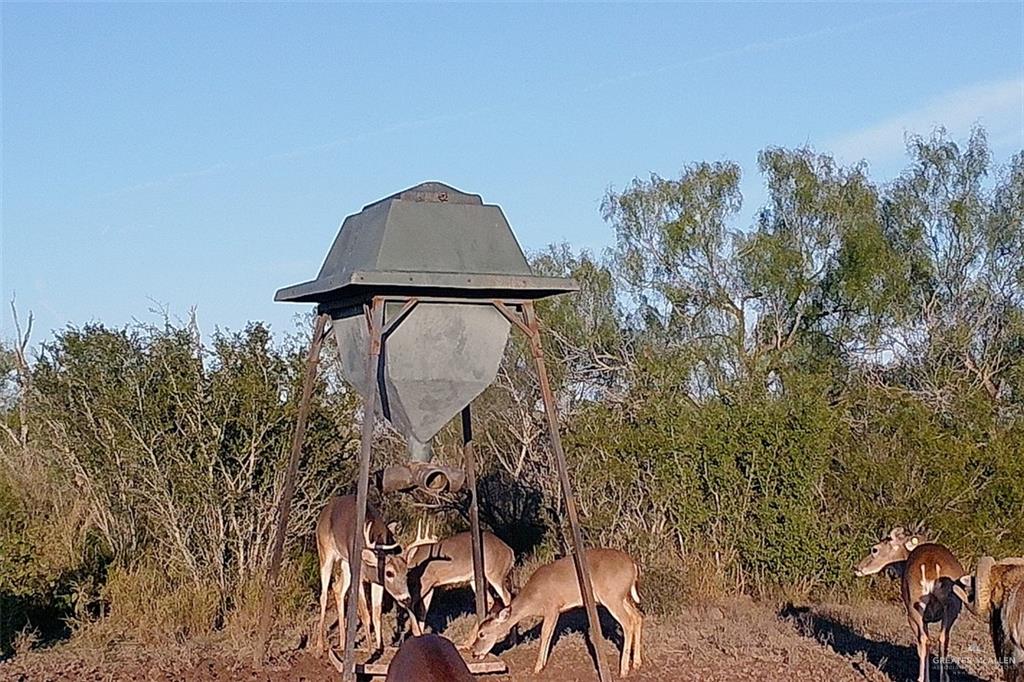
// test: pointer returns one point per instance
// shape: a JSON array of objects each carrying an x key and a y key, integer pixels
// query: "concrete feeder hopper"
[{"x": 420, "y": 290}]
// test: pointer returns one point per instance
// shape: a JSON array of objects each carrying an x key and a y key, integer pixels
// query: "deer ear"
[
  {"x": 896, "y": 533},
  {"x": 504, "y": 614},
  {"x": 911, "y": 543},
  {"x": 369, "y": 557}
]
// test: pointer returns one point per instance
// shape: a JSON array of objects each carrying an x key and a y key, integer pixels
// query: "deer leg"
[
  {"x": 943, "y": 674},
  {"x": 638, "y": 626},
  {"x": 503, "y": 594},
  {"x": 326, "y": 568},
  {"x": 506, "y": 599},
  {"x": 949, "y": 615},
  {"x": 364, "y": 617},
  {"x": 425, "y": 605},
  {"x": 625, "y": 620},
  {"x": 637, "y": 659},
  {"x": 414, "y": 620},
  {"x": 340, "y": 590},
  {"x": 924, "y": 648},
  {"x": 916, "y": 617},
  {"x": 471, "y": 637},
  {"x": 376, "y": 602},
  {"x": 547, "y": 631},
  {"x": 626, "y": 623}
]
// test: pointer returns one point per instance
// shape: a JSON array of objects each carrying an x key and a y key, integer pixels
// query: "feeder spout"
[
  {"x": 420, "y": 452},
  {"x": 421, "y": 475}
]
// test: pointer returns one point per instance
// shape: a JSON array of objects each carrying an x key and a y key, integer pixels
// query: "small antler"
[{"x": 370, "y": 544}]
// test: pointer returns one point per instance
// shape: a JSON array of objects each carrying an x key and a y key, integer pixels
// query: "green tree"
[{"x": 962, "y": 240}]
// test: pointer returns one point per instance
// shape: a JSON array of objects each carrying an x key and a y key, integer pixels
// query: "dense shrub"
[{"x": 159, "y": 459}]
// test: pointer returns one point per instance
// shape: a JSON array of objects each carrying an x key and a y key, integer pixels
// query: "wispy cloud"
[
  {"x": 996, "y": 105},
  {"x": 223, "y": 167},
  {"x": 167, "y": 181},
  {"x": 376, "y": 132},
  {"x": 758, "y": 47}
]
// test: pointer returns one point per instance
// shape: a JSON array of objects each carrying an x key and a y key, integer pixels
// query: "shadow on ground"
[
  {"x": 574, "y": 621},
  {"x": 449, "y": 604},
  {"x": 896, "y": 661}
]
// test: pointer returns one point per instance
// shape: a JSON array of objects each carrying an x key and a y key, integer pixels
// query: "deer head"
[{"x": 896, "y": 547}]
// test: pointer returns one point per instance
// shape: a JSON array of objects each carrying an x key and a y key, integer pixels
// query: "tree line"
[{"x": 745, "y": 407}]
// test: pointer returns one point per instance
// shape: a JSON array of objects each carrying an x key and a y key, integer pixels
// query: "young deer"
[
  {"x": 429, "y": 658},
  {"x": 437, "y": 563},
  {"x": 928, "y": 572},
  {"x": 553, "y": 589},
  {"x": 334, "y": 530}
]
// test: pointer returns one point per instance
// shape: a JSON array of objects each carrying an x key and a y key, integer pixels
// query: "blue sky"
[{"x": 204, "y": 155}]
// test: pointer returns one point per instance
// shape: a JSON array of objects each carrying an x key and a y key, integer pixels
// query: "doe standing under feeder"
[{"x": 421, "y": 290}]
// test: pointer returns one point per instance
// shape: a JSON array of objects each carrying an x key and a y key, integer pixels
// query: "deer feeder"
[
  {"x": 420, "y": 290},
  {"x": 428, "y": 241}
]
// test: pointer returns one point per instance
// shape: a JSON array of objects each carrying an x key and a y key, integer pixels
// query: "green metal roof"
[{"x": 428, "y": 239}]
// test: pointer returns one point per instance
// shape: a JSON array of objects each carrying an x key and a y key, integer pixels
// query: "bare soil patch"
[{"x": 737, "y": 639}]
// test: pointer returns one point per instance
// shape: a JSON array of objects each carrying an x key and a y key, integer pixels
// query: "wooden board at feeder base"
[{"x": 378, "y": 667}]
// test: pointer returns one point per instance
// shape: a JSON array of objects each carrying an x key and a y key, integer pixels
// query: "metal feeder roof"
[{"x": 431, "y": 239}]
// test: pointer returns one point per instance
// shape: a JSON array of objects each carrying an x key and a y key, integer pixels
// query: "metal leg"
[
  {"x": 356, "y": 551},
  {"x": 469, "y": 454},
  {"x": 579, "y": 557},
  {"x": 288, "y": 490}
]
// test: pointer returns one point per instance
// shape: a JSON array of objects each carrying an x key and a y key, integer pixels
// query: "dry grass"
[
  {"x": 147, "y": 607},
  {"x": 25, "y": 640}
]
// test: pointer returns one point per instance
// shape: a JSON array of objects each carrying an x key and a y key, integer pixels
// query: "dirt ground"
[{"x": 733, "y": 640}]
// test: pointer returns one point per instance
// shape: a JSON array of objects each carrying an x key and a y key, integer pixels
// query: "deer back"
[
  {"x": 612, "y": 572},
  {"x": 428, "y": 658},
  {"x": 931, "y": 569},
  {"x": 451, "y": 559}
]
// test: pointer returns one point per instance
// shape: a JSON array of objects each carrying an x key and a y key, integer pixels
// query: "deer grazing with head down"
[
  {"x": 428, "y": 658},
  {"x": 553, "y": 589},
  {"x": 996, "y": 594},
  {"x": 435, "y": 563},
  {"x": 928, "y": 572},
  {"x": 381, "y": 569}
]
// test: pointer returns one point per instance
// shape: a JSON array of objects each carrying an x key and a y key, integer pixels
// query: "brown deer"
[
  {"x": 428, "y": 658},
  {"x": 553, "y": 589},
  {"x": 437, "y": 563},
  {"x": 997, "y": 596},
  {"x": 928, "y": 572},
  {"x": 334, "y": 529}
]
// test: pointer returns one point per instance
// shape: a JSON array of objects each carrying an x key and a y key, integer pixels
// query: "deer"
[
  {"x": 995, "y": 593},
  {"x": 381, "y": 570},
  {"x": 554, "y": 589},
  {"x": 928, "y": 572},
  {"x": 428, "y": 658},
  {"x": 435, "y": 563}
]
